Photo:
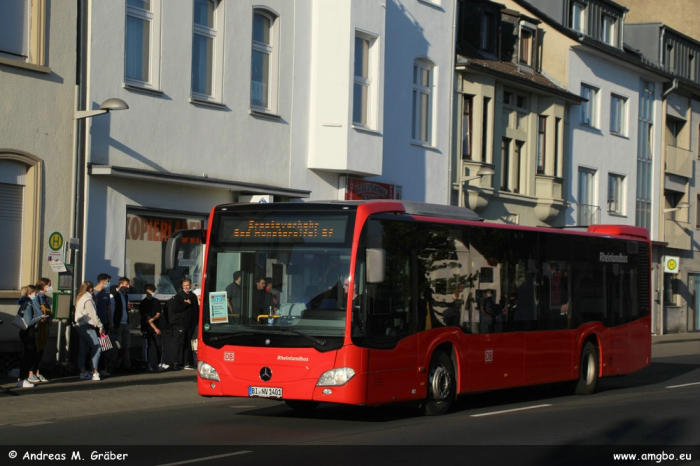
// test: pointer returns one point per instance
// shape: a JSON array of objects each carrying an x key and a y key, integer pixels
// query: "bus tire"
[
  {"x": 302, "y": 406},
  {"x": 588, "y": 370},
  {"x": 441, "y": 385}
]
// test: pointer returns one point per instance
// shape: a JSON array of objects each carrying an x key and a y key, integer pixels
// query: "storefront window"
[{"x": 146, "y": 239}]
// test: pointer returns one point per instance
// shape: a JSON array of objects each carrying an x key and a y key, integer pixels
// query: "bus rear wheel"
[
  {"x": 588, "y": 370},
  {"x": 302, "y": 406},
  {"x": 441, "y": 385}
]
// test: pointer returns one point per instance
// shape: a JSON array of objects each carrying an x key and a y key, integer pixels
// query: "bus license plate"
[{"x": 268, "y": 392}]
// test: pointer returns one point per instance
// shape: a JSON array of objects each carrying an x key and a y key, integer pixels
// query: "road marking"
[
  {"x": 206, "y": 458},
  {"x": 684, "y": 385},
  {"x": 33, "y": 423},
  {"x": 509, "y": 410}
]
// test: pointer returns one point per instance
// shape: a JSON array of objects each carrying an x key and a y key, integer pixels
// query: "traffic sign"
[{"x": 56, "y": 244}]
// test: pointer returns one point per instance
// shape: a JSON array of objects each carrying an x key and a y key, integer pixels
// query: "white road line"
[
  {"x": 684, "y": 385},
  {"x": 509, "y": 410},
  {"x": 33, "y": 423},
  {"x": 206, "y": 458}
]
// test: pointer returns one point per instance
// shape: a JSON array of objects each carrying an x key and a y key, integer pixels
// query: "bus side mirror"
[
  {"x": 376, "y": 265},
  {"x": 175, "y": 241}
]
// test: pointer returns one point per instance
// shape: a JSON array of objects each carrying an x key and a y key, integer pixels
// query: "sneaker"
[
  {"x": 164, "y": 367},
  {"x": 42, "y": 378},
  {"x": 24, "y": 384},
  {"x": 85, "y": 376},
  {"x": 189, "y": 367},
  {"x": 105, "y": 373},
  {"x": 95, "y": 376},
  {"x": 33, "y": 379}
]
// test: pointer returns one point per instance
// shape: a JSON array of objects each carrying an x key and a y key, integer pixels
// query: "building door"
[{"x": 694, "y": 321}]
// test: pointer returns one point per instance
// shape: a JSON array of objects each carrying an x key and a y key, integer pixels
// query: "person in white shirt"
[{"x": 87, "y": 320}]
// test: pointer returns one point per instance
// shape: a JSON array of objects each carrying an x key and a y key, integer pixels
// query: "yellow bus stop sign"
[{"x": 56, "y": 241}]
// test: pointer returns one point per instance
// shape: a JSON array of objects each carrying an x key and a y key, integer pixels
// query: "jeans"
[
  {"x": 88, "y": 343},
  {"x": 124, "y": 337}
]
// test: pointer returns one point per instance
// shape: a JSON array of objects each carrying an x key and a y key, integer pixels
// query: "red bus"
[{"x": 373, "y": 302}]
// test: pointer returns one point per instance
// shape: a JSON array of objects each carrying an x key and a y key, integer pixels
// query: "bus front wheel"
[
  {"x": 588, "y": 370},
  {"x": 441, "y": 385},
  {"x": 302, "y": 406}
]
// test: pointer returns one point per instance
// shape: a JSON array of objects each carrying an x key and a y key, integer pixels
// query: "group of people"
[
  {"x": 167, "y": 330},
  {"x": 35, "y": 310},
  {"x": 265, "y": 299}
]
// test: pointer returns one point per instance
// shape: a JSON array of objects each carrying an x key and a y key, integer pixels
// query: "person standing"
[
  {"x": 187, "y": 304},
  {"x": 88, "y": 322},
  {"x": 43, "y": 328},
  {"x": 103, "y": 306},
  {"x": 120, "y": 294},
  {"x": 150, "y": 311},
  {"x": 30, "y": 310},
  {"x": 233, "y": 293}
]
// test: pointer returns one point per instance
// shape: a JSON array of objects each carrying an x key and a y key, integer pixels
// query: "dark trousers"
[
  {"x": 172, "y": 345},
  {"x": 29, "y": 352},
  {"x": 155, "y": 352},
  {"x": 187, "y": 355}
]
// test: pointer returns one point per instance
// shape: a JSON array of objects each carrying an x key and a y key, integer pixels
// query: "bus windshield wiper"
[
  {"x": 318, "y": 341},
  {"x": 231, "y": 336}
]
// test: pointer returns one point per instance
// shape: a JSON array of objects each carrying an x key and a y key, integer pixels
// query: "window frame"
[
  {"x": 418, "y": 111},
  {"x": 35, "y": 36},
  {"x": 618, "y": 115},
  {"x": 272, "y": 50},
  {"x": 153, "y": 17},
  {"x": 616, "y": 194},
  {"x": 578, "y": 16},
  {"x": 467, "y": 127},
  {"x": 530, "y": 55},
  {"x": 589, "y": 109},
  {"x": 541, "y": 144},
  {"x": 366, "y": 83},
  {"x": 608, "y": 29},
  {"x": 487, "y": 32},
  {"x": 216, "y": 33}
]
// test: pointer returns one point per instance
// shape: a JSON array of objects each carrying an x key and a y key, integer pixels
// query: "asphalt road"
[{"x": 657, "y": 407}]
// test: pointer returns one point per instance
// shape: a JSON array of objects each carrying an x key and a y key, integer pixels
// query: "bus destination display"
[{"x": 315, "y": 229}]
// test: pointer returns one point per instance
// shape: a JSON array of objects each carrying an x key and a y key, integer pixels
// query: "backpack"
[{"x": 173, "y": 312}]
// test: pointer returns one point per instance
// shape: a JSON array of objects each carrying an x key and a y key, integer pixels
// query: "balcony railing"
[
  {"x": 588, "y": 215},
  {"x": 679, "y": 161},
  {"x": 677, "y": 234}
]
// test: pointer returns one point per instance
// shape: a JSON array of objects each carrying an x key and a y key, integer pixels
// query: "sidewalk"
[
  {"x": 675, "y": 338},
  {"x": 69, "y": 383}
]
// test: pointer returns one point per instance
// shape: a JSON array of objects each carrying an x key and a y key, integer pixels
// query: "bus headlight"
[
  {"x": 336, "y": 377},
  {"x": 207, "y": 372}
]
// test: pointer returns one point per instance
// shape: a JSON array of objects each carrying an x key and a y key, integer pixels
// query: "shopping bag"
[
  {"x": 19, "y": 322},
  {"x": 105, "y": 342}
]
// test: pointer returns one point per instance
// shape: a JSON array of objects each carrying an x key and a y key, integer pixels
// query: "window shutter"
[
  {"x": 14, "y": 27},
  {"x": 11, "y": 199}
]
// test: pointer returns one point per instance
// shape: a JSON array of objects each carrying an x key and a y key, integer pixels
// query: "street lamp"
[
  {"x": 107, "y": 106},
  {"x": 483, "y": 171},
  {"x": 681, "y": 205}
]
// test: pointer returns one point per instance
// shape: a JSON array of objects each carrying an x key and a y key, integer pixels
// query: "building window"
[
  {"x": 588, "y": 212},
  {"x": 363, "y": 81},
  {"x": 577, "y": 18},
  {"x": 618, "y": 115},
  {"x": 615, "y": 190},
  {"x": 488, "y": 28},
  {"x": 20, "y": 195},
  {"x": 263, "y": 62},
  {"x": 422, "y": 101},
  {"x": 485, "y": 130},
  {"x": 207, "y": 50},
  {"x": 516, "y": 166},
  {"x": 589, "y": 108},
  {"x": 541, "y": 143},
  {"x": 146, "y": 239},
  {"x": 142, "y": 43},
  {"x": 505, "y": 164},
  {"x": 644, "y": 155},
  {"x": 608, "y": 30},
  {"x": 526, "y": 46},
  {"x": 467, "y": 114},
  {"x": 22, "y": 25},
  {"x": 557, "y": 124}
]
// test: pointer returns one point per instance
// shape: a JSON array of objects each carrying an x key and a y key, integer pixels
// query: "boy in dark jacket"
[{"x": 150, "y": 310}]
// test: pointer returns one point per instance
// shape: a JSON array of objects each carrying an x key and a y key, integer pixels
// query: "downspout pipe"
[{"x": 674, "y": 86}]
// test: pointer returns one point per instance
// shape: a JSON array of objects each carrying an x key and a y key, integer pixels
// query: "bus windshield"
[{"x": 277, "y": 273}]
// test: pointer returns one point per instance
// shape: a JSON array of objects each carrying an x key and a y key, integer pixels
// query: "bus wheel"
[
  {"x": 302, "y": 406},
  {"x": 588, "y": 370},
  {"x": 441, "y": 385}
]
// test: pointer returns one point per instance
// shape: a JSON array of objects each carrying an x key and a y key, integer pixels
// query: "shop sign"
[
  {"x": 362, "y": 190},
  {"x": 147, "y": 228}
]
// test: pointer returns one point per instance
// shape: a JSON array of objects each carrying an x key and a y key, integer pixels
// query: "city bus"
[{"x": 382, "y": 301}]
